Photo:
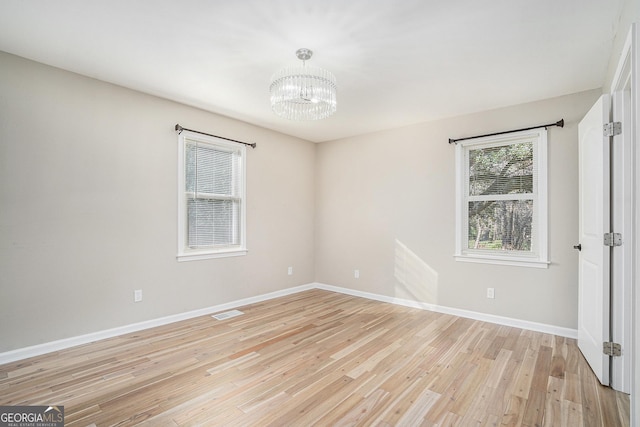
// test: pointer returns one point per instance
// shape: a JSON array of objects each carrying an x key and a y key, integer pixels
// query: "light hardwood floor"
[{"x": 321, "y": 358}]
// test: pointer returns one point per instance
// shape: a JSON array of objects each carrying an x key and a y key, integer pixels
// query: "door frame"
[
  {"x": 622, "y": 269},
  {"x": 634, "y": 47},
  {"x": 628, "y": 72}
]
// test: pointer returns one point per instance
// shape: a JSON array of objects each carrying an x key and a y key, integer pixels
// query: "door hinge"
[
  {"x": 612, "y": 239},
  {"x": 611, "y": 349},
  {"x": 612, "y": 129}
]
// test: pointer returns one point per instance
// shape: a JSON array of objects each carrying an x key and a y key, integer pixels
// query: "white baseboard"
[
  {"x": 37, "y": 350},
  {"x": 506, "y": 321}
]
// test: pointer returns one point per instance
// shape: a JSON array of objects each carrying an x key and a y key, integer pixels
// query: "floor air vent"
[{"x": 227, "y": 314}]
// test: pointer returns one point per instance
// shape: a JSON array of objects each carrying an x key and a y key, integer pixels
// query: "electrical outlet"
[
  {"x": 356, "y": 274},
  {"x": 491, "y": 293},
  {"x": 137, "y": 295},
  {"x": 290, "y": 271}
]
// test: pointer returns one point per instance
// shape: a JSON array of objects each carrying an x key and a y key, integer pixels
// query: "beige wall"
[
  {"x": 88, "y": 208},
  {"x": 385, "y": 205},
  {"x": 88, "y": 211}
]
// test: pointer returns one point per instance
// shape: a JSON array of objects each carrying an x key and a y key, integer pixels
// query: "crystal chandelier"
[{"x": 303, "y": 93}]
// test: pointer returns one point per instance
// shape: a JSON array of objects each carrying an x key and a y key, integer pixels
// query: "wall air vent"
[{"x": 227, "y": 314}]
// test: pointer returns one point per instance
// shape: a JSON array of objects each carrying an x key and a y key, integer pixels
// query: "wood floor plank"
[
  {"x": 571, "y": 414},
  {"x": 525, "y": 374},
  {"x": 320, "y": 358},
  {"x": 413, "y": 406},
  {"x": 591, "y": 410},
  {"x": 623, "y": 405},
  {"x": 359, "y": 410},
  {"x": 572, "y": 390},
  {"x": 534, "y": 409},
  {"x": 553, "y": 402},
  {"x": 514, "y": 413}
]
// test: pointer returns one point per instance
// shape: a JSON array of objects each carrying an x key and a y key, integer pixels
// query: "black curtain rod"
[
  {"x": 559, "y": 123},
  {"x": 179, "y": 129}
]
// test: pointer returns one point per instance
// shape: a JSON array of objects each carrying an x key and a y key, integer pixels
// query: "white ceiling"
[{"x": 397, "y": 62}]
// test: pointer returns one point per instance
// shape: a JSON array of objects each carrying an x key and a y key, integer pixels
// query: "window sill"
[
  {"x": 196, "y": 256},
  {"x": 502, "y": 260}
]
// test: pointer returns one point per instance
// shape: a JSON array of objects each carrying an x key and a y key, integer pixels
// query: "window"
[
  {"x": 211, "y": 197},
  {"x": 501, "y": 203}
]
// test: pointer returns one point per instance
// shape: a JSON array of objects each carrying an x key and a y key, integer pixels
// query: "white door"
[{"x": 594, "y": 221}]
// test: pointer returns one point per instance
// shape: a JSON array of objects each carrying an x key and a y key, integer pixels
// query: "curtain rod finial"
[
  {"x": 179, "y": 128},
  {"x": 560, "y": 123}
]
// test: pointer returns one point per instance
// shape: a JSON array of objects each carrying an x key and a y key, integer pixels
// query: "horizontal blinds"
[
  {"x": 211, "y": 170},
  {"x": 212, "y": 222},
  {"x": 212, "y": 188},
  {"x": 505, "y": 169}
]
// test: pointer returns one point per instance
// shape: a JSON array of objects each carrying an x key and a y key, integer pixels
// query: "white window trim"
[
  {"x": 201, "y": 254},
  {"x": 540, "y": 256}
]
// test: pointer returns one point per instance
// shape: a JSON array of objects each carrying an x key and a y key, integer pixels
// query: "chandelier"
[{"x": 303, "y": 93}]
